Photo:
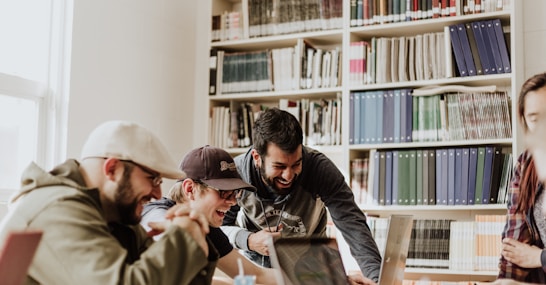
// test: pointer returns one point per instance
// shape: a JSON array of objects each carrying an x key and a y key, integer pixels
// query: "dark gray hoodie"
[{"x": 321, "y": 187}]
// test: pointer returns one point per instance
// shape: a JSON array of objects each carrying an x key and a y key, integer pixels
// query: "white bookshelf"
[{"x": 344, "y": 153}]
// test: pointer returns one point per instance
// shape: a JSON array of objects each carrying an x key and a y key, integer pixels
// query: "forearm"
[
  {"x": 189, "y": 259},
  {"x": 357, "y": 235},
  {"x": 238, "y": 236}
]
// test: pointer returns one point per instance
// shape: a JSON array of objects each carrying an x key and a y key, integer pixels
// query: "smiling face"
[
  {"x": 279, "y": 169},
  {"x": 208, "y": 201},
  {"x": 134, "y": 189}
]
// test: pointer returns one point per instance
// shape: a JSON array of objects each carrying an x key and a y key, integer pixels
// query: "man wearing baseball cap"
[
  {"x": 211, "y": 187},
  {"x": 89, "y": 211}
]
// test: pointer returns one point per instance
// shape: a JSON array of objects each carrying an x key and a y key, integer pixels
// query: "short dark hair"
[
  {"x": 279, "y": 127},
  {"x": 534, "y": 83}
]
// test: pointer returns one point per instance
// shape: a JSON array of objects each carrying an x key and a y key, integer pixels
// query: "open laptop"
[
  {"x": 318, "y": 260},
  {"x": 307, "y": 261},
  {"x": 396, "y": 250},
  {"x": 16, "y": 255}
]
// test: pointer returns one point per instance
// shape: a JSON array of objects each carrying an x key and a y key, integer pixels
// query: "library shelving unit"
[{"x": 241, "y": 34}]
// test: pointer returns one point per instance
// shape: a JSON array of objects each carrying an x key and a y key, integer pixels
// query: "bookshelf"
[{"x": 339, "y": 35}]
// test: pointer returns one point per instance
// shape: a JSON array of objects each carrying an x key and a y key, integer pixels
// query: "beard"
[
  {"x": 125, "y": 203},
  {"x": 271, "y": 182}
]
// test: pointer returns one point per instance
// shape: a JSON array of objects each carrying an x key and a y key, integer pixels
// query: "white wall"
[
  {"x": 133, "y": 60},
  {"x": 534, "y": 25}
]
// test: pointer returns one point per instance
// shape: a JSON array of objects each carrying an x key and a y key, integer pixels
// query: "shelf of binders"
[
  {"x": 425, "y": 25},
  {"x": 389, "y": 62}
]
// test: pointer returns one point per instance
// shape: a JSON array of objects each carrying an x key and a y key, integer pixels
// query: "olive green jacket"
[{"x": 78, "y": 246}]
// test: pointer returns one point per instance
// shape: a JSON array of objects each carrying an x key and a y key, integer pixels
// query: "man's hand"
[
  {"x": 258, "y": 241},
  {"x": 157, "y": 228},
  {"x": 183, "y": 210},
  {"x": 521, "y": 254},
  {"x": 356, "y": 278},
  {"x": 192, "y": 221}
]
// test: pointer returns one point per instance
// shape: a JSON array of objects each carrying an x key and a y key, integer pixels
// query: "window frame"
[{"x": 51, "y": 97}]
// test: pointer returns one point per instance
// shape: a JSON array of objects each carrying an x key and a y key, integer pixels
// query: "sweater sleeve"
[
  {"x": 346, "y": 215},
  {"x": 78, "y": 248},
  {"x": 238, "y": 236}
]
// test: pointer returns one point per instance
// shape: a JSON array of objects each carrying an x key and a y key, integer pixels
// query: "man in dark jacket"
[{"x": 295, "y": 185}]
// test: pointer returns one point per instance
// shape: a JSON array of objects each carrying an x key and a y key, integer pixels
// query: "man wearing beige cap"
[{"x": 89, "y": 212}]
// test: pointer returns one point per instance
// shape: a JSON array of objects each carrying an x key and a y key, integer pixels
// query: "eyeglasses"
[
  {"x": 155, "y": 177},
  {"x": 224, "y": 194},
  {"x": 229, "y": 194}
]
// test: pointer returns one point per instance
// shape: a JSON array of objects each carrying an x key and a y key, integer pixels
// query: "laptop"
[
  {"x": 307, "y": 260},
  {"x": 16, "y": 255},
  {"x": 311, "y": 260},
  {"x": 393, "y": 264}
]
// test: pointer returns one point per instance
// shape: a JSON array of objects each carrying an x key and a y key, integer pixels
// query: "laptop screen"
[
  {"x": 308, "y": 261},
  {"x": 396, "y": 250},
  {"x": 318, "y": 260}
]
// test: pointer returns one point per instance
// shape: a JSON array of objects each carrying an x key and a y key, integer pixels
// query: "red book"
[
  {"x": 452, "y": 7},
  {"x": 416, "y": 4},
  {"x": 435, "y": 8},
  {"x": 444, "y": 8}
]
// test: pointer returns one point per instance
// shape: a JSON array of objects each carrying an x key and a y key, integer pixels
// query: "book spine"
[
  {"x": 466, "y": 50},
  {"x": 503, "y": 49},
  {"x": 493, "y": 45},
  {"x": 457, "y": 51},
  {"x": 395, "y": 177},
  {"x": 388, "y": 177}
]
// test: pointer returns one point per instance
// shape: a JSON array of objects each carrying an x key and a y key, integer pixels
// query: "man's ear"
[
  {"x": 110, "y": 166},
  {"x": 188, "y": 186},
  {"x": 256, "y": 157}
]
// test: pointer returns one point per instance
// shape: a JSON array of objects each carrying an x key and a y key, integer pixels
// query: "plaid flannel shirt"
[{"x": 521, "y": 228}]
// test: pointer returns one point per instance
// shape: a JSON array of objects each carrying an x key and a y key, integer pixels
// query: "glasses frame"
[
  {"x": 224, "y": 194},
  {"x": 152, "y": 175}
]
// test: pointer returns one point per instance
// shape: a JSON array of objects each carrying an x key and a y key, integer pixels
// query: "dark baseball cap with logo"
[{"x": 214, "y": 167}]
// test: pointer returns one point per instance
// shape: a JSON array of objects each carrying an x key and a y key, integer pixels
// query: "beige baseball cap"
[{"x": 129, "y": 141}]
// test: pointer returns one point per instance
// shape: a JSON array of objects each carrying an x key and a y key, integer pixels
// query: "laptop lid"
[
  {"x": 318, "y": 260},
  {"x": 16, "y": 255},
  {"x": 307, "y": 261},
  {"x": 396, "y": 250}
]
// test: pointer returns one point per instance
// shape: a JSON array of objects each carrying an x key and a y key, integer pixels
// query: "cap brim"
[
  {"x": 172, "y": 173},
  {"x": 229, "y": 184}
]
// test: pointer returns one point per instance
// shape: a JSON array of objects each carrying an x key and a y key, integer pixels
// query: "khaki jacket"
[{"x": 78, "y": 246}]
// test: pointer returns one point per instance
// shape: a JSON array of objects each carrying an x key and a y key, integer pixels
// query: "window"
[{"x": 33, "y": 86}]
